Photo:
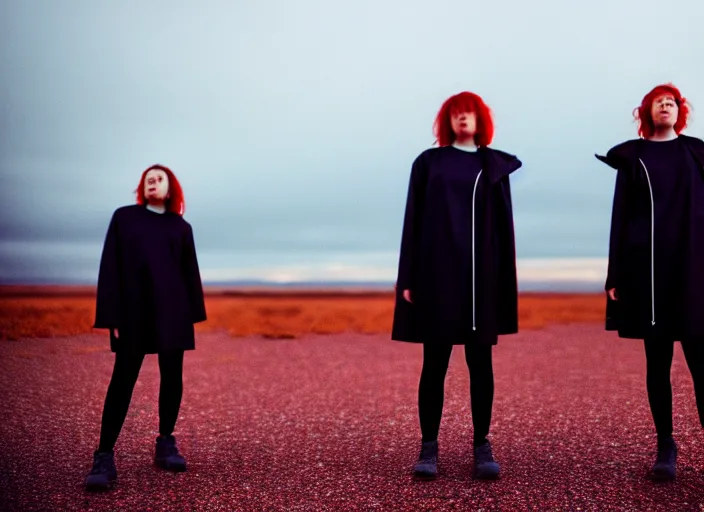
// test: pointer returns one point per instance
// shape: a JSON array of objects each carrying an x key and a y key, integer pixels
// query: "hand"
[
  {"x": 117, "y": 334},
  {"x": 407, "y": 296},
  {"x": 612, "y": 294}
]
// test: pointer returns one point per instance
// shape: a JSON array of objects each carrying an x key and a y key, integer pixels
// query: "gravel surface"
[{"x": 330, "y": 423}]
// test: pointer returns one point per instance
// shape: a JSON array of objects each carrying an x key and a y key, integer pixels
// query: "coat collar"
[
  {"x": 498, "y": 164},
  {"x": 625, "y": 155}
]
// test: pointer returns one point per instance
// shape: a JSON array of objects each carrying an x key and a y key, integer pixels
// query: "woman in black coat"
[
  {"x": 457, "y": 268},
  {"x": 655, "y": 279},
  {"x": 149, "y": 296}
]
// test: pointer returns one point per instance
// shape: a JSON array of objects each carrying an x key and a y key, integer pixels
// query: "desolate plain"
[
  {"x": 44, "y": 312},
  {"x": 310, "y": 406}
]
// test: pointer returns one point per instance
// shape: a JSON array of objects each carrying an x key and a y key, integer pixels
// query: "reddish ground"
[
  {"x": 329, "y": 422},
  {"x": 62, "y": 311}
]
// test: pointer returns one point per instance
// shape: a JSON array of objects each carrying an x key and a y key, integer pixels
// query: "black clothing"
[
  {"x": 149, "y": 285},
  {"x": 657, "y": 239},
  {"x": 103, "y": 474},
  {"x": 431, "y": 391},
  {"x": 658, "y": 354},
  {"x": 458, "y": 250},
  {"x": 665, "y": 467},
  {"x": 124, "y": 377}
]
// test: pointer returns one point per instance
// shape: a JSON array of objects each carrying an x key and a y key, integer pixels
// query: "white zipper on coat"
[
  {"x": 474, "y": 284},
  {"x": 652, "y": 243}
]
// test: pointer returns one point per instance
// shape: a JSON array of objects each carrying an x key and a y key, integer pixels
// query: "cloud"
[
  {"x": 589, "y": 271},
  {"x": 293, "y": 125},
  {"x": 50, "y": 262},
  {"x": 565, "y": 270}
]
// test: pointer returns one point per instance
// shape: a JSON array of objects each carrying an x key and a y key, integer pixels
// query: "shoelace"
[
  {"x": 664, "y": 457},
  {"x": 427, "y": 455},
  {"x": 484, "y": 453},
  {"x": 170, "y": 450},
  {"x": 102, "y": 465}
]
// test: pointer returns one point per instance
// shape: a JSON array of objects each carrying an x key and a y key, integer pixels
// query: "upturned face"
[
  {"x": 664, "y": 112},
  {"x": 156, "y": 186},
  {"x": 464, "y": 124}
]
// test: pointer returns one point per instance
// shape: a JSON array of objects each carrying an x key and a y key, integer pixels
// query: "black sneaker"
[
  {"x": 485, "y": 467},
  {"x": 104, "y": 474},
  {"x": 427, "y": 466},
  {"x": 167, "y": 456},
  {"x": 665, "y": 465}
]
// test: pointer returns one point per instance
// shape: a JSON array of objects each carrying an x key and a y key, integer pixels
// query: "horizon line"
[{"x": 564, "y": 272}]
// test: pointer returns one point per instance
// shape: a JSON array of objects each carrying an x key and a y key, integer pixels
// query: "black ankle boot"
[
  {"x": 103, "y": 475},
  {"x": 665, "y": 466},
  {"x": 485, "y": 467},
  {"x": 167, "y": 456},
  {"x": 427, "y": 465}
]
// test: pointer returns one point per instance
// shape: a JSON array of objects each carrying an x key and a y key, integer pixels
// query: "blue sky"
[{"x": 292, "y": 125}]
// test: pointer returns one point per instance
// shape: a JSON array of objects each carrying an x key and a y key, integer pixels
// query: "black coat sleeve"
[
  {"x": 411, "y": 224},
  {"x": 697, "y": 147},
  {"x": 618, "y": 218},
  {"x": 191, "y": 275},
  {"x": 107, "y": 311},
  {"x": 506, "y": 257}
]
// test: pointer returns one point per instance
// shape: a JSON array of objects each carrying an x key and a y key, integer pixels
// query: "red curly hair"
[
  {"x": 464, "y": 102},
  {"x": 643, "y": 113},
  {"x": 175, "y": 202}
]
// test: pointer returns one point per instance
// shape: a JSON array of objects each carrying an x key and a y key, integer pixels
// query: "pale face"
[
  {"x": 664, "y": 112},
  {"x": 156, "y": 186},
  {"x": 464, "y": 124}
]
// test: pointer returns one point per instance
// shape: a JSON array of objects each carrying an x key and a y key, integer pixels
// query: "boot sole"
[
  {"x": 487, "y": 477},
  {"x": 419, "y": 475},
  {"x": 480, "y": 475},
  {"x": 174, "y": 468},
  {"x": 100, "y": 486},
  {"x": 660, "y": 476}
]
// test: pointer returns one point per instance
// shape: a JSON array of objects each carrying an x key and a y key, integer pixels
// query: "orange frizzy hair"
[
  {"x": 175, "y": 203},
  {"x": 643, "y": 113},
  {"x": 464, "y": 102}
]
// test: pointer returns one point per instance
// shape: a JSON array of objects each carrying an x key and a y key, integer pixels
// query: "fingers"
[
  {"x": 407, "y": 295},
  {"x": 612, "y": 294}
]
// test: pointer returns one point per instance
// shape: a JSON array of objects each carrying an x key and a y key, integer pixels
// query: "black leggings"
[
  {"x": 658, "y": 355},
  {"x": 124, "y": 377},
  {"x": 431, "y": 391}
]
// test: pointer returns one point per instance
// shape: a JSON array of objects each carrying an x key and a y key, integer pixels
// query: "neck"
[
  {"x": 663, "y": 134},
  {"x": 158, "y": 207},
  {"x": 465, "y": 142}
]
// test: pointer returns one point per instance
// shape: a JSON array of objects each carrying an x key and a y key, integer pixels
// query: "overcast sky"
[{"x": 292, "y": 125}]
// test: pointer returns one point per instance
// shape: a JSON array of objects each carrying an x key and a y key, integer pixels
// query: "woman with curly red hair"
[
  {"x": 149, "y": 296},
  {"x": 655, "y": 277},
  {"x": 457, "y": 269}
]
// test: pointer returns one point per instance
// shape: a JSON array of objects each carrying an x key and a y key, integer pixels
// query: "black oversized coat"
[
  {"x": 632, "y": 269},
  {"x": 452, "y": 305},
  {"x": 149, "y": 284}
]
